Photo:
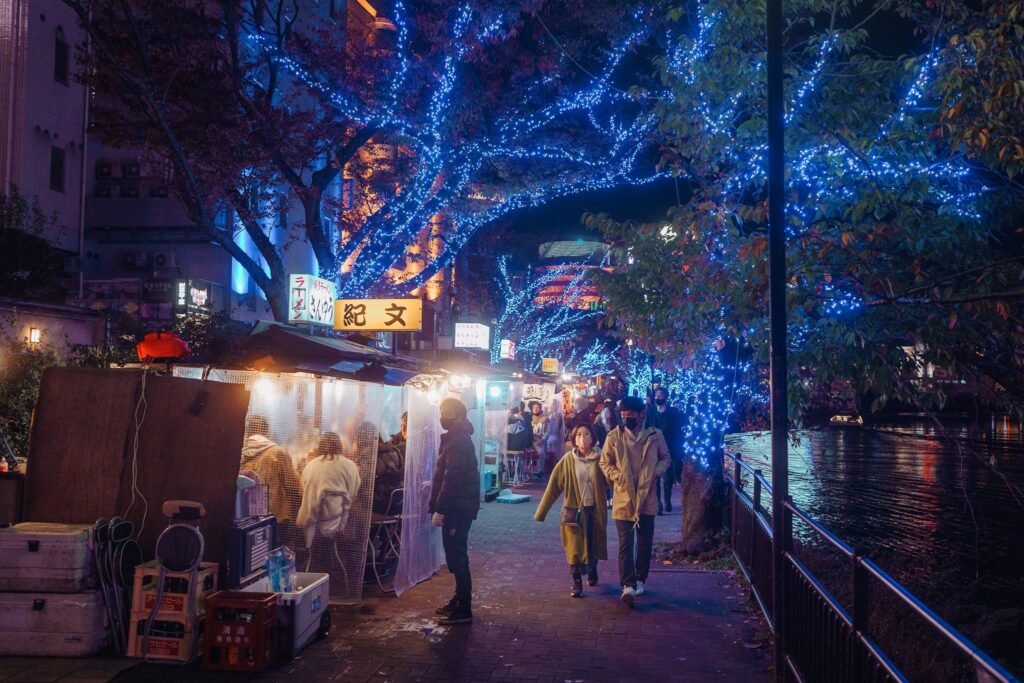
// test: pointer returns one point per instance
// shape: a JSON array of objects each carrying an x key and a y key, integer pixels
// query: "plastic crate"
[
  {"x": 171, "y": 639},
  {"x": 174, "y": 602},
  {"x": 241, "y": 631},
  {"x": 303, "y": 613}
]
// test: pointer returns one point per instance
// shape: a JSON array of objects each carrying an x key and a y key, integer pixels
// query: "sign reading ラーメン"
[
  {"x": 378, "y": 315},
  {"x": 311, "y": 300}
]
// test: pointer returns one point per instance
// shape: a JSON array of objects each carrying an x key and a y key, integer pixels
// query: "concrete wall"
[
  {"x": 39, "y": 114},
  {"x": 60, "y": 326}
]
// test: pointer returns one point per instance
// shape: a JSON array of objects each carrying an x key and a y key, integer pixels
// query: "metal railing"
[{"x": 823, "y": 640}]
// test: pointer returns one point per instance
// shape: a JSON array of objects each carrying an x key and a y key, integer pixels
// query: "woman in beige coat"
[{"x": 584, "y": 514}]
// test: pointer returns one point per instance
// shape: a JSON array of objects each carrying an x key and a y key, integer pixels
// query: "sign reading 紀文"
[
  {"x": 311, "y": 300},
  {"x": 378, "y": 315},
  {"x": 472, "y": 336},
  {"x": 508, "y": 349}
]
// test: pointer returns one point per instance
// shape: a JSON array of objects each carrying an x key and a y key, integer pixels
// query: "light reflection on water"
[{"x": 903, "y": 489}]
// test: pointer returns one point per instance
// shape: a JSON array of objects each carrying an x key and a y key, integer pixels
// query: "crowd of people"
[
  {"x": 603, "y": 455},
  {"x": 313, "y": 498},
  {"x": 625, "y": 456}
]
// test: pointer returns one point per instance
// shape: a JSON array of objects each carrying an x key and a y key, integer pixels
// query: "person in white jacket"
[{"x": 330, "y": 483}]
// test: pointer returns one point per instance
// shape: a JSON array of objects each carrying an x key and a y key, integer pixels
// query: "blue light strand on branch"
[{"x": 540, "y": 331}]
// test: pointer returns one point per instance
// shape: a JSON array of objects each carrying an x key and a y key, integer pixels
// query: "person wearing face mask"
[
  {"x": 633, "y": 459},
  {"x": 669, "y": 421},
  {"x": 454, "y": 503},
  {"x": 584, "y": 515}
]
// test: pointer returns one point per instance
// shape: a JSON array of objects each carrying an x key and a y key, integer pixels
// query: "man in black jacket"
[
  {"x": 670, "y": 421},
  {"x": 454, "y": 503}
]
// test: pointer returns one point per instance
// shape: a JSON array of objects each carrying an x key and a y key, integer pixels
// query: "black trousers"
[
  {"x": 588, "y": 531},
  {"x": 671, "y": 476},
  {"x": 638, "y": 538},
  {"x": 455, "y": 538}
]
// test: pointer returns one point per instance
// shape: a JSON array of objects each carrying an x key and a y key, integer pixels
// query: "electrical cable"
[{"x": 142, "y": 404}]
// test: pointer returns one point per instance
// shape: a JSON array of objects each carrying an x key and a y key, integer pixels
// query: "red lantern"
[{"x": 162, "y": 345}]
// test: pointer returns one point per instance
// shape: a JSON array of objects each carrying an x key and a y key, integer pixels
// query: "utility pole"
[{"x": 777, "y": 310}]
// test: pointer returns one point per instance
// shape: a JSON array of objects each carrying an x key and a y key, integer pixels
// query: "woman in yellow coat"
[{"x": 584, "y": 513}]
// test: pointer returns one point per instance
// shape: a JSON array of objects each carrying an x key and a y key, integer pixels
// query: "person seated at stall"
[
  {"x": 274, "y": 467},
  {"x": 390, "y": 474},
  {"x": 330, "y": 482}
]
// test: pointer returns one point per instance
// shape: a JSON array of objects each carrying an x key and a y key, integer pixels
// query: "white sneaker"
[
  {"x": 628, "y": 595},
  {"x": 639, "y": 587}
]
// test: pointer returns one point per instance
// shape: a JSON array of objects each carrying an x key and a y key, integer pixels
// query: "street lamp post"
[{"x": 777, "y": 311}]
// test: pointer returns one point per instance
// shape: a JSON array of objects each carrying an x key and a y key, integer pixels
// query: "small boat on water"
[{"x": 843, "y": 420}]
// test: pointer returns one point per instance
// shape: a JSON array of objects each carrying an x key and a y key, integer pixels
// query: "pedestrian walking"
[
  {"x": 632, "y": 460},
  {"x": 670, "y": 422},
  {"x": 540, "y": 427},
  {"x": 454, "y": 503},
  {"x": 584, "y": 521}
]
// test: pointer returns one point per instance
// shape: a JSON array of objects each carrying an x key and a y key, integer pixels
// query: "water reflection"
[{"x": 903, "y": 491}]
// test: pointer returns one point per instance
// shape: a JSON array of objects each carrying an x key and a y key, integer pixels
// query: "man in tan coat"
[
  {"x": 633, "y": 460},
  {"x": 274, "y": 467}
]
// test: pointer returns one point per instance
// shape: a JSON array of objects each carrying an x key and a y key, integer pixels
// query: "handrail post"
[
  {"x": 754, "y": 509},
  {"x": 736, "y": 470},
  {"x": 860, "y": 617}
]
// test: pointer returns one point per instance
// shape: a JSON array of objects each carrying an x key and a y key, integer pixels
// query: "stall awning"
[{"x": 277, "y": 347}]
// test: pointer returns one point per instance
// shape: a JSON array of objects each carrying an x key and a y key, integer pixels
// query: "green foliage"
[
  {"x": 21, "y": 370},
  {"x": 876, "y": 263},
  {"x": 983, "y": 88}
]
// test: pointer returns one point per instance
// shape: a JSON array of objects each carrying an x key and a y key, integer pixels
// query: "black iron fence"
[{"x": 851, "y": 621}]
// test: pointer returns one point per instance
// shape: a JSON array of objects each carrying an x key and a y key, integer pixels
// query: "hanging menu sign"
[{"x": 311, "y": 300}]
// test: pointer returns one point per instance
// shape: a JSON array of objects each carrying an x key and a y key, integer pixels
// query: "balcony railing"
[{"x": 837, "y": 639}]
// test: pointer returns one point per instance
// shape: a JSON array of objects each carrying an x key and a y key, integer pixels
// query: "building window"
[
  {"x": 61, "y": 59},
  {"x": 57, "y": 169}
]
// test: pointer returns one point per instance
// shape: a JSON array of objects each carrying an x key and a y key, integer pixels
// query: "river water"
[{"x": 944, "y": 520}]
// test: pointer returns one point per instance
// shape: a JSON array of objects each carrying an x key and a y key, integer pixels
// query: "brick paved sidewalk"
[{"x": 691, "y": 626}]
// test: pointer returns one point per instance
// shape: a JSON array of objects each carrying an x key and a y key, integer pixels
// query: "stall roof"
[{"x": 291, "y": 349}]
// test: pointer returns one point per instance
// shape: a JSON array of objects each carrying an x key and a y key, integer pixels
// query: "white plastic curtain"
[
  {"x": 300, "y": 409},
  {"x": 422, "y": 554}
]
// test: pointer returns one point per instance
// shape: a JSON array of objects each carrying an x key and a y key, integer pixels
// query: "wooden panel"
[
  {"x": 81, "y": 450},
  {"x": 77, "y": 444},
  {"x": 189, "y": 457}
]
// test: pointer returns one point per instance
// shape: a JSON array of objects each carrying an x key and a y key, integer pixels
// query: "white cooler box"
[
  {"x": 44, "y": 557},
  {"x": 52, "y": 624},
  {"x": 302, "y": 616}
]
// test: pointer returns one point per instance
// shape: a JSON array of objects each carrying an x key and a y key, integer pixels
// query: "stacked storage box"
[
  {"x": 177, "y": 629},
  {"x": 47, "y": 603}
]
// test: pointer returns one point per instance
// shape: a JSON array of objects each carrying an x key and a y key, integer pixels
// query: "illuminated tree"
[
  {"x": 540, "y": 331},
  {"x": 895, "y": 240},
  {"x": 443, "y": 119}
]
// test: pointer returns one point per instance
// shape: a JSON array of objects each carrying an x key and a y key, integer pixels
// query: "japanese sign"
[
  {"x": 192, "y": 297},
  {"x": 544, "y": 393},
  {"x": 549, "y": 366},
  {"x": 311, "y": 300},
  {"x": 508, "y": 349},
  {"x": 378, "y": 315},
  {"x": 472, "y": 336}
]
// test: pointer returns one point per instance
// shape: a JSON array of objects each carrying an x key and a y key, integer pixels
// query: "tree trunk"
[{"x": 701, "y": 508}]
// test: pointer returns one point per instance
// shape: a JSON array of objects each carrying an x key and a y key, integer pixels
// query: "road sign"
[{"x": 378, "y": 315}]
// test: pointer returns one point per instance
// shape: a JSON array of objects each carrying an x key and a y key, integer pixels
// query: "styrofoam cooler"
[
  {"x": 52, "y": 624},
  {"x": 46, "y": 557},
  {"x": 300, "y": 613}
]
